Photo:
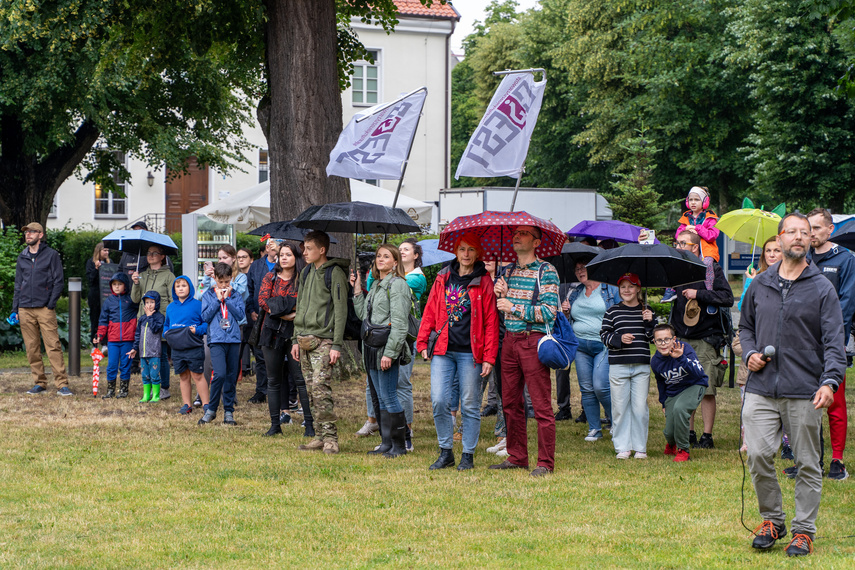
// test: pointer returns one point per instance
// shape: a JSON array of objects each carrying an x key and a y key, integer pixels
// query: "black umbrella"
[
  {"x": 356, "y": 218},
  {"x": 656, "y": 265},
  {"x": 282, "y": 230},
  {"x": 845, "y": 235},
  {"x": 571, "y": 254}
]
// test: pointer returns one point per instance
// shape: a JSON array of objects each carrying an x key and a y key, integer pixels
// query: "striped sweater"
[
  {"x": 620, "y": 320},
  {"x": 520, "y": 292}
]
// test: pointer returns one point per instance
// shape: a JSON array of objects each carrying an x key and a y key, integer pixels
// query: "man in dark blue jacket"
[
  {"x": 38, "y": 284},
  {"x": 791, "y": 332}
]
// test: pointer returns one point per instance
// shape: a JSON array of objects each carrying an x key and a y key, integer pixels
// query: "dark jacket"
[
  {"x": 38, "y": 279},
  {"x": 708, "y": 325},
  {"x": 180, "y": 316},
  {"x": 118, "y": 322},
  {"x": 149, "y": 329},
  {"x": 806, "y": 330},
  {"x": 838, "y": 266},
  {"x": 254, "y": 277},
  {"x": 673, "y": 375}
]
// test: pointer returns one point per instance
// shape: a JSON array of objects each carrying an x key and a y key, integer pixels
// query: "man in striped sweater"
[{"x": 527, "y": 308}]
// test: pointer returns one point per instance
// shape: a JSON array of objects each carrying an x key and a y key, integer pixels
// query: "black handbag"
[
  {"x": 374, "y": 336},
  {"x": 255, "y": 335},
  {"x": 280, "y": 306},
  {"x": 431, "y": 343}
]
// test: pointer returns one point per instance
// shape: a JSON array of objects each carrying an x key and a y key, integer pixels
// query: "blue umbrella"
[
  {"x": 431, "y": 255},
  {"x": 138, "y": 241}
]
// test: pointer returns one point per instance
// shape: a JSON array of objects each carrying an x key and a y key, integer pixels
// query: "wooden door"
[{"x": 185, "y": 193}]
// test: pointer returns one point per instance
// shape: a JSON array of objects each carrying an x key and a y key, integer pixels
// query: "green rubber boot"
[
  {"x": 155, "y": 393},
  {"x": 146, "y": 393}
]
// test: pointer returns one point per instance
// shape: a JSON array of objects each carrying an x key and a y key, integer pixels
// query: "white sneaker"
[
  {"x": 594, "y": 435},
  {"x": 624, "y": 455},
  {"x": 369, "y": 428},
  {"x": 503, "y": 453},
  {"x": 502, "y": 444},
  {"x": 640, "y": 455}
]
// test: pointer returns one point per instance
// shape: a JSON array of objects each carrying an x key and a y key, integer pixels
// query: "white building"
[{"x": 417, "y": 54}]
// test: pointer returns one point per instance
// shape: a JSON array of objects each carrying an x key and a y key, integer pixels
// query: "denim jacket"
[{"x": 610, "y": 293}]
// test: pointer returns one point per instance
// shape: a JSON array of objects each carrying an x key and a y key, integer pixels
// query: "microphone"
[{"x": 768, "y": 353}]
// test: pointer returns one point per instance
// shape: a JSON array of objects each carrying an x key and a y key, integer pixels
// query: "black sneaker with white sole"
[{"x": 837, "y": 470}]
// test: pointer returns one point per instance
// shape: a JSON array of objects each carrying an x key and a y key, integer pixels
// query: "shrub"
[{"x": 11, "y": 245}]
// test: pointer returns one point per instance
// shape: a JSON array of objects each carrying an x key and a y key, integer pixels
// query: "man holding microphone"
[{"x": 791, "y": 331}]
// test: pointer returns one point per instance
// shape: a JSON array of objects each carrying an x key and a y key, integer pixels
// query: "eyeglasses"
[
  {"x": 524, "y": 233},
  {"x": 153, "y": 253},
  {"x": 31, "y": 231},
  {"x": 682, "y": 244},
  {"x": 663, "y": 341},
  {"x": 793, "y": 231}
]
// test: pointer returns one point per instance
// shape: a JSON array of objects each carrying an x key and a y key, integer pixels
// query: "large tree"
[{"x": 162, "y": 81}]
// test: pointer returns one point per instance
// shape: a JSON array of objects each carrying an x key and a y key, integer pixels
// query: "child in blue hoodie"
[
  {"x": 147, "y": 344},
  {"x": 223, "y": 310},
  {"x": 682, "y": 383},
  {"x": 118, "y": 322},
  {"x": 183, "y": 330}
]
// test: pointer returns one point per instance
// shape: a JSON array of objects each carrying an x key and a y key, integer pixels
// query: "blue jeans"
[
  {"x": 405, "y": 390},
  {"x": 150, "y": 368},
  {"x": 630, "y": 414},
  {"x": 450, "y": 374},
  {"x": 386, "y": 384},
  {"x": 117, "y": 352},
  {"x": 592, "y": 371},
  {"x": 225, "y": 360}
]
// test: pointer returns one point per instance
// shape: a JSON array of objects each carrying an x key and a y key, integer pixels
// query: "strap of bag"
[{"x": 535, "y": 296}]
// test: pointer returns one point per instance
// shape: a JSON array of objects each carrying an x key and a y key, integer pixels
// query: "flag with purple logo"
[
  {"x": 376, "y": 142},
  {"x": 499, "y": 145}
]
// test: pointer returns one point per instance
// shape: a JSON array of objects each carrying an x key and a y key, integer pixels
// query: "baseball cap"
[
  {"x": 631, "y": 277},
  {"x": 34, "y": 226}
]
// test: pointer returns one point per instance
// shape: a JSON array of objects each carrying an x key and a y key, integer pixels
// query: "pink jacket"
[{"x": 707, "y": 231}]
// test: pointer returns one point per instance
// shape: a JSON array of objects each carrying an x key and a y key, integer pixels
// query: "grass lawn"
[{"x": 92, "y": 484}]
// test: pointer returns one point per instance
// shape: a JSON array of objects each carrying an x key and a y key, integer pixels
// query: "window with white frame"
[
  {"x": 365, "y": 83},
  {"x": 54, "y": 206},
  {"x": 263, "y": 166},
  {"x": 111, "y": 204}
]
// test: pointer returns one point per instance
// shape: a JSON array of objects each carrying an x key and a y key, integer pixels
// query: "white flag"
[
  {"x": 377, "y": 146},
  {"x": 499, "y": 145}
]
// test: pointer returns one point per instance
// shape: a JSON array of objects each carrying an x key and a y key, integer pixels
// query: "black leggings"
[{"x": 278, "y": 373}]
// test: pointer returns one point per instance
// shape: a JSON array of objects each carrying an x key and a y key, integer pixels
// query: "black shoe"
[
  {"x": 606, "y": 423},
  {"x": 582, "y": 419},
  {"x": 767, "y": 534},
  {"x": 257, "y": 398},
  {"x": 446, "y": 459},
  {"x": 284, "y": 418},
  {"x": 706, "y": 441},
  {"x": 787, "y": 453},
  {"x": 693, "y": 438},
  {"x": 398, "y": 435},
  {"x": 123, "y": 389},
  {"x": 837, "y": 470},
  {"x": 111, "y": 390},
  {"x": 801, "y": 545},
  {"x": 791, "y": 472},
  {"x": 466, "y": 462},
  {"x": 489, "y": 411},
  {"x": 385, "y": 434},
  {"x": 310, "y": 429},
  {"x": 274, "y": 430},
  {"x": 563, "y": 414}
]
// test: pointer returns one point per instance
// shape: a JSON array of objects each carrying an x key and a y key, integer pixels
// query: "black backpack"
[{"x": 352, "y": 324}]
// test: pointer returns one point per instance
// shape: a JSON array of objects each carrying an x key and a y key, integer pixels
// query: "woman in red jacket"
[{"x": 462, "y": 310}]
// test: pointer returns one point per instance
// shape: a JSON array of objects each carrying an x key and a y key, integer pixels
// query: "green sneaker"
[{"x": 146, "y": 393}]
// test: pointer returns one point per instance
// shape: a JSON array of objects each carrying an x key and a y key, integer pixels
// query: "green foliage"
[
  {"x": 11, "y": 245},
  {"x": 75, "y": 247}
]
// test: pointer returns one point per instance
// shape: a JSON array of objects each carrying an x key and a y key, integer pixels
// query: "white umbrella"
[{"x": 250, "y": 208}]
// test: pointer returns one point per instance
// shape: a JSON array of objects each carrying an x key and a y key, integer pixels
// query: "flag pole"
[
  {"x": 517, "y": 187},
  {"x": 409, "y": 150}
]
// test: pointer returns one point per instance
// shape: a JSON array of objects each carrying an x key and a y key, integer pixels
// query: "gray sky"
[{"x": 471, "y": 10}]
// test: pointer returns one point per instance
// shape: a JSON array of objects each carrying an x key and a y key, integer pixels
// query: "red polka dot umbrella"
[{"x": 496, "y": 232}]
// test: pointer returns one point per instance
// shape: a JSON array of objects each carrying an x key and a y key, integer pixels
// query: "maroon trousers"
[{"x": 520, "y": 368}]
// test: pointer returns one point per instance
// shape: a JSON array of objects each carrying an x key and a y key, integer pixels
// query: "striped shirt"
[
  {"x": 520, "y": 292},
  {"x": 620, "y": 320}
]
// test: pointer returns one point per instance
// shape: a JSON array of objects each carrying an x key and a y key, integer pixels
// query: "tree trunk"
[
  {"x": 305, "y": 109},
  {"x": 28, "y": 183}
]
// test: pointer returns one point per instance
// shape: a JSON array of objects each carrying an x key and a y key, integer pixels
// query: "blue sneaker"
[
  {"x": 185, "y": 409},
  {"x": 36, "y": 389},
  {"x": 670, "y": 296},
  {"x": 64, "y": 391}
]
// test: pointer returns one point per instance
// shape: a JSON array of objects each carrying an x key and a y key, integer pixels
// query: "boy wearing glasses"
[
  {"x": 681, "y": 382},
  {"x": 156, "y": 277}
]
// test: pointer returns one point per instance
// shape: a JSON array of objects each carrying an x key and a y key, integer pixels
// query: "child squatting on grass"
[
  {"x": 183, "y": 330},
  {"x": 682, "y": 383},
  {"x": 627, "y": 332},
  {"x": 148, "y": 344},
  {"x": 118, "y": 322}
]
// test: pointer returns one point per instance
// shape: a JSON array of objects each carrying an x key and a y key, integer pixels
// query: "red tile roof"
[{"x": 436, "y": 10}]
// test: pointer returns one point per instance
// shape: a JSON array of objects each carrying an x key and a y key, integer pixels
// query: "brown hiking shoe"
[
  {"x": 314, "y": 445},
  {"x": 331, "y": 447}
]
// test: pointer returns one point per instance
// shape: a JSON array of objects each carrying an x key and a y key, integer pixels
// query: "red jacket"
[{"x": 484, "y": 326}]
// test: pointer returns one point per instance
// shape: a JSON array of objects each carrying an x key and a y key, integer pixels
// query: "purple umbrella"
[{"x": 607, "y": 229}]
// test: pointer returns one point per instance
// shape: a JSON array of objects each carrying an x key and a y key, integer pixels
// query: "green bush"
[{"x": 11, "y": 245}]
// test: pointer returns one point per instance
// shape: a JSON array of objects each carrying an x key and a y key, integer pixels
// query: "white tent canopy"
[{"x": 250, "y": 208}]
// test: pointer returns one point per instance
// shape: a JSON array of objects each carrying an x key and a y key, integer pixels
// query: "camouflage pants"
[{"x": 318, "y": 373}]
